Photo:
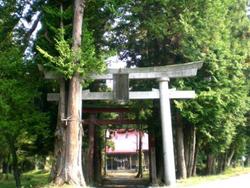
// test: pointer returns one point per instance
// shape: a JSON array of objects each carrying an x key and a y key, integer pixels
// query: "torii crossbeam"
[{"x": 162, "y": 74}]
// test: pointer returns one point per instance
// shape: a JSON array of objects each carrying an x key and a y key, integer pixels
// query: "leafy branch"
[{"x": 68, "y": 62}]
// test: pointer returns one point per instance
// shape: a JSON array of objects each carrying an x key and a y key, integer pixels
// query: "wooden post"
[
  {"x": 90, "y": 162},
  {"x": 130, "y": 162}
]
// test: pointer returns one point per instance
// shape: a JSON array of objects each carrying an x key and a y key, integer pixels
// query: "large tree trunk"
[
  {"x": 60, "y": 136},
  {"x": 181, "y": 165},
  {"x": 73, "y": 157},
  {"x": 72, "y": 172}
]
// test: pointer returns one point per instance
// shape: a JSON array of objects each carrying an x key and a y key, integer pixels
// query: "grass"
[
  {"x": 32, "y": 179},
  {"x": 227, "y": 174}
]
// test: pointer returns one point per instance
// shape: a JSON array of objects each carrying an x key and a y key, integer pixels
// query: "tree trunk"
[
  {"x": 181, "y": 165},
  {"x": 140, "y": 170},
  {"x": 5, "y": 167},
  {"x": 195, "y": 159},
  {"x": 73, "y": 158},
  {"x": 190, "y": 142},
  {"x": 60, "y": 136},
  {"x": 192, "y": 151},
  {"x": 210, "y": 164},
  {"x": 72, "y": 172},
  {"x": 220, "y": 163},
  {"x": 248, "y": 161},
  {"x": 16, "y": 171},
  {"x": 152, "y": 156},
  {"x": 159, "y": 159},
  {"x": 230, "y": 157}
]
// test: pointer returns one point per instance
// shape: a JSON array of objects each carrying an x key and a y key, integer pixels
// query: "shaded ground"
[{"x": 126, "y": 179}]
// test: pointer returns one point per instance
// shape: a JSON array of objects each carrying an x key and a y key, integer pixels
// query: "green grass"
[
  {"x": 201, "y": 179},
  {"x": 32, "y": 179}
]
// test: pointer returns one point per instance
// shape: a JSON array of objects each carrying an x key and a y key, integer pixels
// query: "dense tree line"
[{"x": 211, "y": 132}]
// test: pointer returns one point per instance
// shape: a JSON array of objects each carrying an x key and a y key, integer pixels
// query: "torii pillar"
[{"x": 167, "y": 136}]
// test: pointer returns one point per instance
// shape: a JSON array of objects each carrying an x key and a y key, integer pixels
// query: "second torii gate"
[{"x": 162, "y": 74}]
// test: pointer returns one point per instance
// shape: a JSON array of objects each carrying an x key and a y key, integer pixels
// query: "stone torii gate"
[{"x": 121, "y": 93}]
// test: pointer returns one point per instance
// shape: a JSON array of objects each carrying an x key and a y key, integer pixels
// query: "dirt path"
[{"x": 124, "y": 179}]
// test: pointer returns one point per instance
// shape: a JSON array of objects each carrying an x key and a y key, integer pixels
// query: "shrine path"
[{"x": 124, "y": 179}]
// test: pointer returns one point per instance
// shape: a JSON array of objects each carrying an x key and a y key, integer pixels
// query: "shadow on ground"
[{"x": 126, "y": 179}]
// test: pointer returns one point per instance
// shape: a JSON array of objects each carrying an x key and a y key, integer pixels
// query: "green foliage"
[
  {"x": 21, "y": 122},
  {"x": 222, "y": 102},
  {"x": 153, "y": 33},
  {"x": 69, "y": 61}
]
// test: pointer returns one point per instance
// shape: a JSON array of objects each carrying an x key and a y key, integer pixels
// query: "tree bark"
[
  {"x": 181, "y": 165},
  {"x": 72, "y": 172},
  {"x": 73, "y": 157},
  {"x": 60, "y": 136},
  {"x": 230, "y": 157},
  {"x": 152, "y": 156},
  {"x": 190, "y": 143},
  {"x": 192, "y": 151},
  {"x": 210, "y": 164},
  {"x": 195, "y": 159}
]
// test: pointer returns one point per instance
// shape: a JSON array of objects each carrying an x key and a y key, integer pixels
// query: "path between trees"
[{"x": 124, "y": 179}]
